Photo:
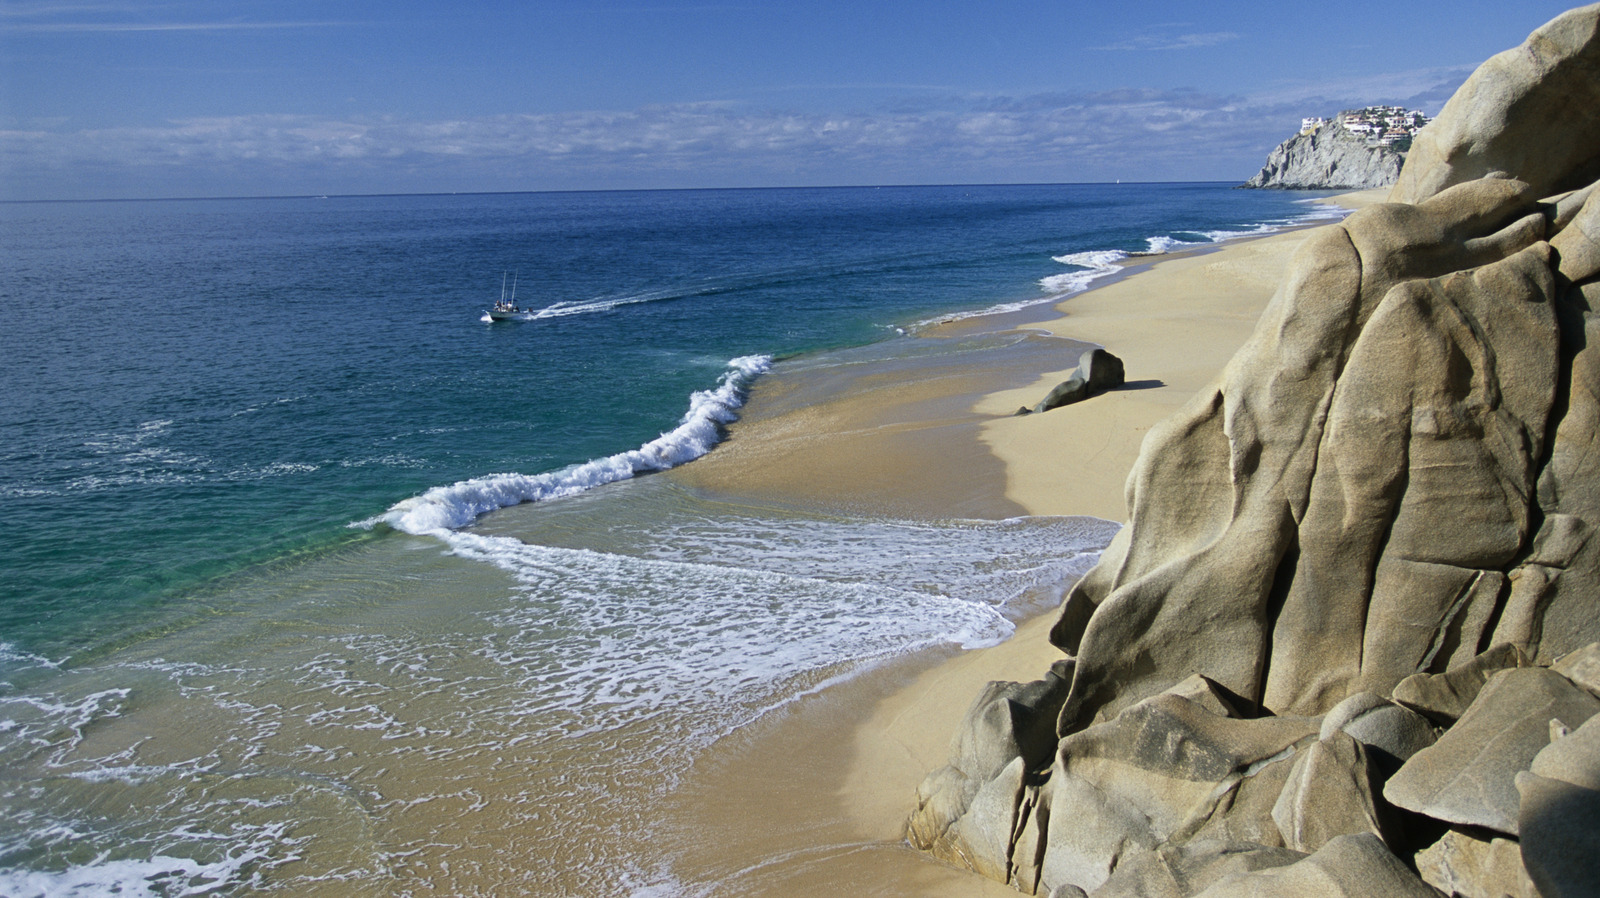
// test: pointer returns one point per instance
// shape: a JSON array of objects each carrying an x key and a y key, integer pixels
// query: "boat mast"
[{"x": 513, "y": 289}]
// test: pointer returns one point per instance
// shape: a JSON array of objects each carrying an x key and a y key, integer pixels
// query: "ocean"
[{"x": 318, "y": 581}]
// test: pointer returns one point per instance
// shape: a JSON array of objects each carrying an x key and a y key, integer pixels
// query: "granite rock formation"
[
  {"x": 1504, "y": 119},
  {"x": 1349, "y": 642},
  {"x": 1329, "y": 158}
]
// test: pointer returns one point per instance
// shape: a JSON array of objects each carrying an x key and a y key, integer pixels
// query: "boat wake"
[{"x": 566, "y": 309}]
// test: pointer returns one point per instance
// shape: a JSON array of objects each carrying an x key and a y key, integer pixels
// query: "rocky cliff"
[
  {"x": 1349, "y": 642},
  {"x": 1329, "y": 158}
]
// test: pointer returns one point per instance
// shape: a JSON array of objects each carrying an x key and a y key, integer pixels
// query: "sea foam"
[
  {"x": 731, "y": 616},
  {"x": 1091, "y": 266},
  {"x": 153, "y": 876},
  {"x": 447, "y": 508},
  {"x": 362, "y": 740}
]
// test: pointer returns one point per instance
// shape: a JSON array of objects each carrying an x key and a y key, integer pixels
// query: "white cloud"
[
  {"x": 1130, "y": 134},
  {"x": 125, "y": 18},
  {"x": 136, "y": 27},
  {"x": 1160, "y": 40},
  {"x": 1426, "y": 89}
]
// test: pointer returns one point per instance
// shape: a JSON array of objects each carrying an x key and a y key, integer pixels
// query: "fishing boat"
[{"x": 506, "y": 309}]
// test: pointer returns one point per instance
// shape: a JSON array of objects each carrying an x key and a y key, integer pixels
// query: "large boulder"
[
  {"x": 1464, "y": 864},
  {"x": 1469, "y": 776},
  {"x": 1329, "y": 794},
  {"x": 1164, "y": 770},
  {"x": 1179, "y": 871},
  {"x": 1097, "y": 372},
  {"x": 1009, "y": 729},
  {"x": 1533, "y": 111},
  {"x": 1388, "y": 730},
  {"x": 1238, "y": 504},
  {"x": 1559, "y": 817},
  {"x": 1376, "y": 525},
  {"x": 1444, "y": 697},
  {"x": 1355, "y": 866}
]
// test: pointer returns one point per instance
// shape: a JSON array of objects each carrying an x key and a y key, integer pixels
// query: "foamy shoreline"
[{"x": 1175, "y": 324}]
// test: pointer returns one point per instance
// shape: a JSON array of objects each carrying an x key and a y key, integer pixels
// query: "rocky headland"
[
  {"x": 1329, "y": 158},
  {"x": 1349, "y": 642}
]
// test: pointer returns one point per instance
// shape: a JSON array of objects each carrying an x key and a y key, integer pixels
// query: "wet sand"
[{"x": 816, "y": 798}]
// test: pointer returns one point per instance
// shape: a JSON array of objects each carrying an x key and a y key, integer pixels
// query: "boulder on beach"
[
  {"x": 1097, "y": 372},
  {"x": 1352, "y": 630}
]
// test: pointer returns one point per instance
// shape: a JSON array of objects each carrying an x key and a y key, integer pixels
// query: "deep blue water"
[{"x": 192, "y": 388}]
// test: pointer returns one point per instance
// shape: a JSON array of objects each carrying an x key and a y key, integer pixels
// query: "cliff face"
[
  {"x": 1352, "y": 631},
  {"x": 1329, "y": 158}
]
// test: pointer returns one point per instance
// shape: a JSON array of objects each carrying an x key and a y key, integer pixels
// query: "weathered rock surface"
[
  {"x": 1574, "y": 758},
  {"x": 1469, "y": 776},
  {"x": 1560, "y": 836},
  {"x": 1559, "y": 815},
  {"x": 1164, "y": 770},
  {"x": 1444, "y": 697},
  {"x": 1532, "y": 111},
  {"x": 1356, "y": 610},
  {"x": 1393, "y": 732},
  {"x": 1009, "y": 727},
  {"x": 1356, "y": 866},
  {"x": 1581, "y": 667},
  {"x": 1331, "y": 158},
  {"x": 1329, "y": 794},
  {"x": 1178, "y": 871},
  {"x": 1471, "y": 867}
]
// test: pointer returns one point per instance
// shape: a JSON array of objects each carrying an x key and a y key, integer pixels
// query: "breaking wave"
[
  {"x": 1092, "y": 265},
  {"x": 446, "y": 508}
]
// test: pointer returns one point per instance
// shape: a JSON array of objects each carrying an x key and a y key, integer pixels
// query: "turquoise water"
[{"x": 250, "y": 631}]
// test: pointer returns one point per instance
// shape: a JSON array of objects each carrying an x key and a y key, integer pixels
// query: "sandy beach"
[{"x": 817, "y": 797}]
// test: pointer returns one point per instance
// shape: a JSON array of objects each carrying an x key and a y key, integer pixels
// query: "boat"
[{"x": 506, "y": 309}]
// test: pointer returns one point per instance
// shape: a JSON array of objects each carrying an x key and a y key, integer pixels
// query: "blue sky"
[{"x": 238, "y": 97}]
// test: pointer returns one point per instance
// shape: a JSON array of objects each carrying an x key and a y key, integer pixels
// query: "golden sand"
[{"x": 814, "y": 802}]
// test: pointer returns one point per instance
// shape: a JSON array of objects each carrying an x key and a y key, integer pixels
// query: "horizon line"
[{"x": 415, "y": 193}]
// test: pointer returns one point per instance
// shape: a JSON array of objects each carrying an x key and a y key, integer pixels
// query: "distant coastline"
[{"x": 1358, "y": 149}]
